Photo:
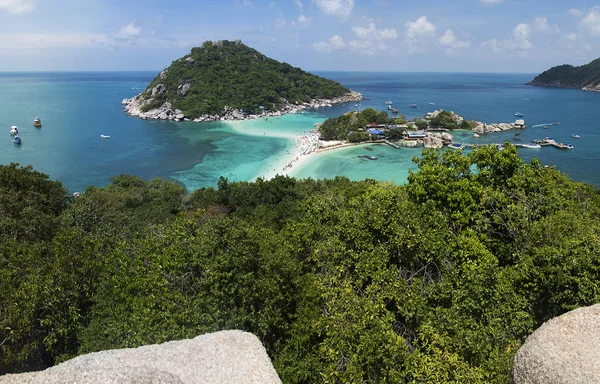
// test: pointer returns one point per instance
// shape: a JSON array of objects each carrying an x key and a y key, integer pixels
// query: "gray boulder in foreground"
[
  {"x": 221, "y": 357},
  {"x": 565, "y": 349}
]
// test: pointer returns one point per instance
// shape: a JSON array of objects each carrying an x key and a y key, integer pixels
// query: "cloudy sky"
[{"x": 370, "y": 35}]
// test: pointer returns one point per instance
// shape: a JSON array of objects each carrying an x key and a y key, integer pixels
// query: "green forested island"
[
  {"x": 230, "y": 74},
  {"x": 437, "y": 281},
  {"x": 586, "y": 77}
]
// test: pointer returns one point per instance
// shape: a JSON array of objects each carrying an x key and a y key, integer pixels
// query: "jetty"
[
  {"x": 391, "y": 144},
  {"x": 550, "y": 141},
  {"x": 542, "y": 142}
]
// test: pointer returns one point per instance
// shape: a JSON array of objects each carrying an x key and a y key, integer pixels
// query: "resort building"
[{"x": 415, "y": 135}]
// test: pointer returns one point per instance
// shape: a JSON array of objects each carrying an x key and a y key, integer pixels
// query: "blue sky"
[{"x": 370, "y": 35}]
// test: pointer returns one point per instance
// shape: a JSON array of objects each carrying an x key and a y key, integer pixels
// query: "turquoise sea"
[{"x": 76, "y": 108}]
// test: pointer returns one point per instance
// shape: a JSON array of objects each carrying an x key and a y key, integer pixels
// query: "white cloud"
[
  {"x": 592, "y": 21},
  {"x": 541, "y": 24},
  {"x": 17, "y": 6},
  {"x": 417, "y": 34},
  {"x": 575, "y": 12},
  {"x": 371, "y": 32},
  {"x": 51, "y": 40},
  {"x": 279, "y": 22},
  {"x": 339, "y": 8},
  {"x": 298, "y": 4},
  {"x": 362, "y": 46},
  {"x": 242, "y": 3},
  {"x": 451, "y": 43},
  {"x": 421, "y": 28},
  {"x": 128, "y": 32},
  {"x": 302, "y": 22},
  {"x": 334, "y": 42},
  {"x": 570, "y": 36},
  {"x": 519, "y": 42},
  {"x": 492, "y": 2}
]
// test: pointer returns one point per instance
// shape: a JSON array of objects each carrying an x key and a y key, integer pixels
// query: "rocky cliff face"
[
  {"x": 221, "y": 357},
  {"x": 564, "y": 350}
]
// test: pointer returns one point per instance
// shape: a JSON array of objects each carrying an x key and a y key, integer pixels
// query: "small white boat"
[
  {"x": 13, "y": 130},
  {"x": 475, "y": 135},
  {"x": 531, "y": 146},
  {"x": 104, "y": 136},
  {"x": 518, "y": 114},
  {"x": 37, "y": 122},
  {"x": 575, "y": 136},
  {"x": 456, "y": 146},
  {"x": 432, "y": 103}
]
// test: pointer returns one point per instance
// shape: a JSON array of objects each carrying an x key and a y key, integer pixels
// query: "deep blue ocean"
[{"x": 76, "y": 108}]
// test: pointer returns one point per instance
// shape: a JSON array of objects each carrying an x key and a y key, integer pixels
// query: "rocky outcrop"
[
  {"x": 222, "y": 357},
  {"x": 483, "y": 128},
  {"x": 563, "y": 350},
  {"x": 134, "y": 107},
  {"x": 479, "y": 127}
]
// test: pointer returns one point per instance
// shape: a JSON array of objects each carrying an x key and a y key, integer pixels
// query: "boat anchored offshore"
[
  {"x": 17, "y": 140},
  {"x": 518, "y": 114},
  {"x": 13, "y": 130},
  {"x": 575, "y": 136},
  {"x": 412, "y": 106},
  {"x": 37, "y": 122},
  {"x": 105, "y": 136},
  {"x": 456, "y": 146}
]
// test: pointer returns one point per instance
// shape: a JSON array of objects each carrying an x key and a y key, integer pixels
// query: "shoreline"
[{"x": 133, "y": 107}]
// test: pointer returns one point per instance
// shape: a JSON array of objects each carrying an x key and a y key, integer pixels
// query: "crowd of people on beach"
[{"x": 307, "y": 143}]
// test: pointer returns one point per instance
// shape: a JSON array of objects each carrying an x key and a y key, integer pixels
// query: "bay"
[{"x": 76, "y": 108}]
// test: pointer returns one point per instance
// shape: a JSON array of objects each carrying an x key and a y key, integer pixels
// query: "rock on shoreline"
[{"x": 133, "y": 107}]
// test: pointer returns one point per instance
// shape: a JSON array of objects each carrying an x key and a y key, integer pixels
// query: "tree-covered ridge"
[
  {"x": 438, "y": 281},
  {"x": 228, "y": 73},
  {"x": 569, "y": 76}
]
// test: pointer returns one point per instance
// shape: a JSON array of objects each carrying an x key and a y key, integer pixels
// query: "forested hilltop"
[
  {"x": 437, "y": 281},
  {"x": 586, "y": 77},
  {"x": 230, "y": 74}
]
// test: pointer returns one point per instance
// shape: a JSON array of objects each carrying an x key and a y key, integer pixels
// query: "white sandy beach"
[{"x": 288, "y": 161}]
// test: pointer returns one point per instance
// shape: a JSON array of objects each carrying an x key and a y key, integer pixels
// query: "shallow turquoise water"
[{"x": 76, "y": 108}]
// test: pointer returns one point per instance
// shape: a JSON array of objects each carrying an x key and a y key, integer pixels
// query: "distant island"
[
  {"x": 231, "y": 81},
  {"x": 585, "y": 77}
]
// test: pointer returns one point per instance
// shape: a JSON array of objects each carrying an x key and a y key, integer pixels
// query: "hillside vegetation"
[
  {"x": 228, "y": 73},
  {"x": 569, "y": 76},
  {"x": 437, "y": 281}
]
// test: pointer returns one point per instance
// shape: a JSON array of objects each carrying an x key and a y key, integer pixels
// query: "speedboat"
[
  {"x": 545, "y": 126},
  {"x": 518, "y": 114},
  {"x": 13, "y": 130},
  {"x": 17, "y": 140},
  {"x": 575, "y": 136},
  {"x": 394, "y": 110},
  {"x": 37, "y": 122},
  {"x": 105, "y": 136},
  {"x": 531, "y": 146},
  {"x": 456, "y": 146},
  {"x": 412, "y": 106},
  {"x": 432, "y": 103}
]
